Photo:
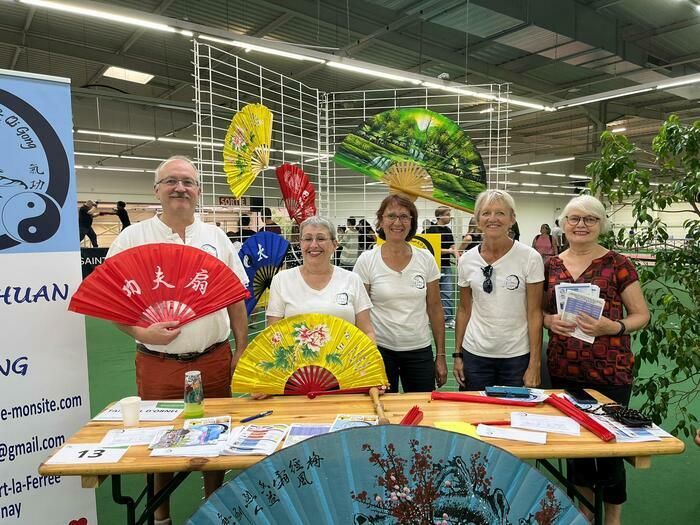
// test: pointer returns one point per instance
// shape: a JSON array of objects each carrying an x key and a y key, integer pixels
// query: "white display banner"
[{"x": 43, "y": 359}]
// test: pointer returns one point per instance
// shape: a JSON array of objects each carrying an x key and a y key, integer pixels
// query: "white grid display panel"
[
  {"x": 224, "y": 84},
  {"x": 486, "y": 122}
]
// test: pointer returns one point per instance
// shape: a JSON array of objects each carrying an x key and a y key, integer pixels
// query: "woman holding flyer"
[{"x": 606, "y": 363}]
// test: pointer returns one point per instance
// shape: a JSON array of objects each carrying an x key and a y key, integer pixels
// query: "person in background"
[
  {"x": 350, "y": 243},
  {"x": 123, "y": 215},
  {"x": 607, "y": 364},
  {"x": 244, "y": 232},
  {"x": 317, "y": 286},
  {"x": 86, "y": 213},
  {"x": 472, "y": 238},
  {"x": 270, "y": 225},
  {"x": 367, "y": 238},
  {"x": 403, "y": 284},
  {"x": 515, "y": 231},
  {"x": 448, "y": 250},
  {"x": 498, "y": 337},
  {"x": 558, "y": 236},
  {"x": 544, "y": 243},
  {"x": 165, "y": 351}
]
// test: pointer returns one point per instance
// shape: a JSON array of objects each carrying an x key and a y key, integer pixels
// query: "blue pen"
[{"x": 256, "y": 416}]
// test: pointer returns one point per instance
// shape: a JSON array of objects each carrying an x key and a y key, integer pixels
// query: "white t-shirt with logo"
[
  {"x": 498, "y": 323},
  {"x": 399, "y": 314},
  {"x": 205, "y": 331},
  {"x": 344, "y": 296}
]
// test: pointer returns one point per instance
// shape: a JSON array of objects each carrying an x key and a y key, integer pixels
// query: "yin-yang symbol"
[{"x": 31, "y": 217}]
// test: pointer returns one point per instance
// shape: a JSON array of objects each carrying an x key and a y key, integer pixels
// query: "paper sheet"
[
  {"x": 562, "y": 289},
  {"x": 150, "y": 411},
  {"x": 540, "y": 438},
  {"x": 255, "y": 440},
  {"x": 298, "y": 432},
  {"x": 343, "y": 421},
  {"x": 457, "y": 426},
  {"x": 555, "y": 424},
  {"x": 87, "y": 453},
  {"x": 131, "y": 436}
]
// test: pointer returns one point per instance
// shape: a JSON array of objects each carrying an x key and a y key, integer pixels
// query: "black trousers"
[
  {"x": 609, "y": 472},
  {"x": 91, "y": 235},
  {"x": 415, "y": 368}
]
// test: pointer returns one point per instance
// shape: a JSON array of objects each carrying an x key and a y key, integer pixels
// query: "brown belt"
[{"x": 191, "y": 356}]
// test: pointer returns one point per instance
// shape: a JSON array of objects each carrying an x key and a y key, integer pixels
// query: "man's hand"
[{"x": 158, "y": 333}]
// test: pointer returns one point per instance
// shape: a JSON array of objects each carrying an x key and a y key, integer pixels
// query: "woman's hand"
[
  {"x": 560, "y": 327},
  {"x": 440, "y": 370},
  {"x": 596, "y": 327},
  {"x": 259, "y": 395},
  {"x": 531, "y": 378},
  {"x": 458, "y": 372}
]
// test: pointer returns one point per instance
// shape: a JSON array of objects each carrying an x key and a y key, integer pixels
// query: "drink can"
[{"x": 194, "y": 394}]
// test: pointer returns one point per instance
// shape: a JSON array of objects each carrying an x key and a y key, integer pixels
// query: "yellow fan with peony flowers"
[
  {"x": 247, "y": 147},
  {"x": 309, "y": 353}
]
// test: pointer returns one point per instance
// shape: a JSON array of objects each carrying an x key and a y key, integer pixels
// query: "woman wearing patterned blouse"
[{"x": 606, "y": 364}]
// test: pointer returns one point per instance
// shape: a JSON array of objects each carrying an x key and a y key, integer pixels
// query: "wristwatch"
[
  {"x": 622, "y": 328},
  {"x": 457, "y": 355}
]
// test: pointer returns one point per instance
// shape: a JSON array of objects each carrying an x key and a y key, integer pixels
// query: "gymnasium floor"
[{"x": 667, "y": 493}]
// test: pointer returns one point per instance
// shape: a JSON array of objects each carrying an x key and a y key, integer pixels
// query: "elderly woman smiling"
[
  {"x": 317, "y": 286},
  {"x": 606, "y": 365}
]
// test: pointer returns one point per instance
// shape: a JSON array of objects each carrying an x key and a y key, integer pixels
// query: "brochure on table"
[{"x": 150, "y": 411}]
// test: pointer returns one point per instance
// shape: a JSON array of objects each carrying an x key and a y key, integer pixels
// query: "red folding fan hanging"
[
  {"x": 298, "y": 192},
  {"x": 156, "y": 283}
]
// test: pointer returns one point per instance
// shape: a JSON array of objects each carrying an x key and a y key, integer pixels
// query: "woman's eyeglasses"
[
  {"x": 589, "y": 220},
  {"x": 488, "y": 283},
  {"x": 392, "y": 217}
]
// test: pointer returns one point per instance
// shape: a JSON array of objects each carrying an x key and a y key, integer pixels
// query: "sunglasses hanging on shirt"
[{"x": 487, "y": 284}]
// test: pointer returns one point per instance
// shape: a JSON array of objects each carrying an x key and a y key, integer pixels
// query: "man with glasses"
[
  {"x": 166, "y": 351},
  {"x": 448, "y": 249}
]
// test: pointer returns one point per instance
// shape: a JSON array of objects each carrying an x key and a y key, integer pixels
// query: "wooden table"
[{"x": 323, "y": 409}]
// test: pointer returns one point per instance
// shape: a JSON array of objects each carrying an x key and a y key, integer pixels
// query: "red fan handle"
[
  {"x": 579, "y": 415},
  {"x": 358, "y": 390},
  {"x": 469, "y": 398}
]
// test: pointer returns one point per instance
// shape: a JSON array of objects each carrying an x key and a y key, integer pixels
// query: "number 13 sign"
[{"x": 88, "y": 453}]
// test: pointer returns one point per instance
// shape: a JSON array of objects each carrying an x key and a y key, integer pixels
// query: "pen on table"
[
  {"x": 491, "y": 423},
  {"x": 256, "y": 416}
]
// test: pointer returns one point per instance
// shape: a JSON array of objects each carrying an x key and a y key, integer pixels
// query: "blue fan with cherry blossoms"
[{"x": 390, "y": 474}]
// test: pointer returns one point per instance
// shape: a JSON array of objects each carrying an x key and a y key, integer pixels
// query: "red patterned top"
[{"x": 609, "y": 360}]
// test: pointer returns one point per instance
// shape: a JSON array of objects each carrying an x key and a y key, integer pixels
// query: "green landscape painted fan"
[{"x": 418, "y": 152}]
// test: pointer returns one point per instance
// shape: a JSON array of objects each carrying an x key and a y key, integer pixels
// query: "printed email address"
[
  {"x": 11, "y": 451},
  {"x": 44, "y": 406}
]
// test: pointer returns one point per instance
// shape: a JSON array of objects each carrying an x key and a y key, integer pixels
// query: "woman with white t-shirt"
[
  {"x": 317, "y": 286},
  {"x": 498, "y": 334},
  {"x": 403, "y": 283}
]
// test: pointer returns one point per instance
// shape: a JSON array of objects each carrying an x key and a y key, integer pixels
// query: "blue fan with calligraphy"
[
  {"x": 156, "y": 283},
  {"x": 390, "y": 474},
  {"x": 262, "y": 255}
]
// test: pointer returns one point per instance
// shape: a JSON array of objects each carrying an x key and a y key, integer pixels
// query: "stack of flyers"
[
  {"x": 220, "y": 425},
  {"x": 191, "y": 442},
  {"x": 343, "y": 421},
  {"x": 562, "y": 289},
  {"x": 255, "y": 440},
  {"x": 577, "y": 303},
  {"x": 298, "y": 432}
]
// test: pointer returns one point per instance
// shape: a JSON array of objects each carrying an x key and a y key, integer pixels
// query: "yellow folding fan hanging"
[
  {"x": 309, "y": 353},
  {"x": 247, "y": 146},
  {"x": 409, "y": 178}
]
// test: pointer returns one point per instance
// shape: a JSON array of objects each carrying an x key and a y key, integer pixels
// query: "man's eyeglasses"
[
  {"x": 392, "y": 217},
  {"x": 589, "y": 220},
  {"x": 318, "y": 240},
  {"x": 171, "y": 182},
  {"x": 488, "y": 283}
]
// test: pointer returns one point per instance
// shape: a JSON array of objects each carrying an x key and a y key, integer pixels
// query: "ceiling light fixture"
[
  {"x": 555, "y": 175},
  {"x": 531, "y": 172},
  {"x": 533, "y": 184},
  {"x": 618, "y": 130},
  {"x": 551, "y": 161},
  {"x": 261, "y": 49},
  {"x": 191, "y": 142},
  {"x": 128, "y": 75},
  {"x": 103, "y": 155},
  {"x": 582, "y": 177},
  {"x": 115, "y": 134},
  {"x": 453, "y": 88},
  {"x": 104, "y": 15},
  {"x": 373, "y": 72}
]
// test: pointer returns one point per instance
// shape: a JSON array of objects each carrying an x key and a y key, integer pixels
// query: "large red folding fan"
[
  {"x": 156, "y": 283},
  {"x": 298, "y": 192}
]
